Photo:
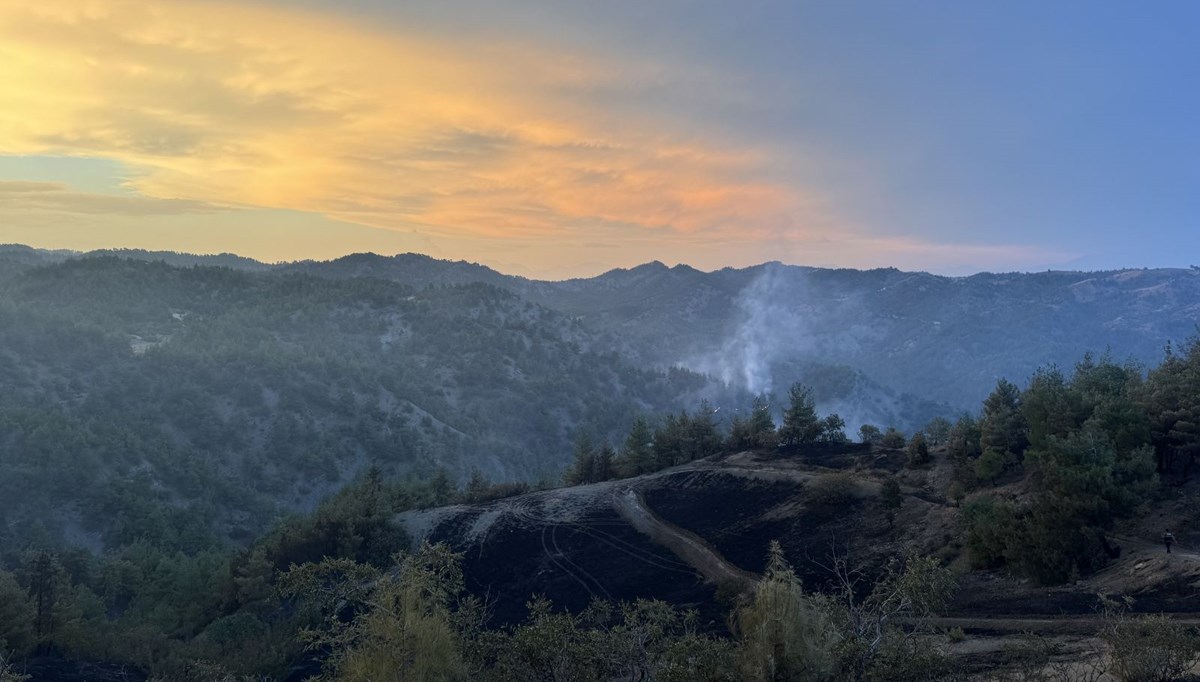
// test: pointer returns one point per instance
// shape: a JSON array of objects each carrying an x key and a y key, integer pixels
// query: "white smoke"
[
  {"x": 765, "y": 328},
  {"x": 783, "y": 331}
]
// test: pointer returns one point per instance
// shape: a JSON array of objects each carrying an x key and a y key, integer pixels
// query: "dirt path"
[
  {"x": 1154, "y": 548},
  {"x": 685, "y": 545}
]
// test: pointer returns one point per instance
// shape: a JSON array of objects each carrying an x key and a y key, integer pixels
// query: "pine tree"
[
  {"x": 583, "y": 470},
  {"x": 761, "y": 425},
  {"x": 801, "y": 425},
  {"x": 1003, "y": 428},
  {"x": 637, "y": 454}
]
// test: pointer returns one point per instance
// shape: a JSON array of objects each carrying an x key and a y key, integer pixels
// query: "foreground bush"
[{"x": 1151, "y": 649}]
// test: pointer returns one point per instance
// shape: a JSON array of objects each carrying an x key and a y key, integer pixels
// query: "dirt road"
[{"x": 685, "y": 545}]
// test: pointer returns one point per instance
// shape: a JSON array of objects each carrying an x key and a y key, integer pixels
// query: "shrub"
[
  {"x": 870, "y": 434},
  {"x": 785, "y": 633},
  {"x": 990, "y": 465},
  {"x": 917, "y": 452},
  {"x": 831, "y": 492},
  {"x": 1150, "y": 648},
  {"x": 893, "y": 438}
]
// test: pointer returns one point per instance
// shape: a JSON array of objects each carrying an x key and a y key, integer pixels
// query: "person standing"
[{"x": 1168, "y": 540}]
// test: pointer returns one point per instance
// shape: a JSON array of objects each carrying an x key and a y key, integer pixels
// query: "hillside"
[
  {"x": 580, "y": 542},
  {"x": 878, "y": 346},
  {"x": 943, "y": 338},
  {"x": 150, "y": 401},
  {"x": 273, "y": 385},
  {"x": 198, "y": 458},
  {"x": 694, "y": 535}
]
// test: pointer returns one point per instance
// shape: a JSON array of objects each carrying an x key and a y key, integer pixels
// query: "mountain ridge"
[{"x": 944, "y": 337}]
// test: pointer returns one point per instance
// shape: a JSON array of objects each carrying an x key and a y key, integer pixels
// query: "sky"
[{"x": 562, "y": 138}]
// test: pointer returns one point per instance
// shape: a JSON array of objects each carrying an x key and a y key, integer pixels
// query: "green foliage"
[
  {"x": 991, "y": 464},
  {"x": 1170, "y": 400},
  {"x": 403, "y": 628},
  {"x": 801, "y": 425},
  {"x": 1082, "y": 485},
  {"x": 892, "y": 438},
  {"x": 785, "y": 633},
  {"x": 592, "y": 463},
  {"x": 870, "y": 434},
  {"x": 937, "y": 431},
  {"x": 860, "y": 620},
  {"x": 479, "y": 490},
  {"x": 962, "y": 443},
  {"x": 1150, "y": 648},
  {"x": 685, "y": 437},
  {"x": 356, "y": 524},
  {"x": 16, "y": 616},
  {"x": 637, "y": 453},
  {"x": 757, "y": 432},
  {"x": 991, "y": 528},
  {"x": 1002, "y": 426},
  {"x": 417, "y": 624},
  {"x": 830, "y": 494},
  {"x": 916, "y": 453},
  {"x": 1050, "y": 407},
  {"x": 192, "y": 407},
  {"x": 833, "y": 430}
]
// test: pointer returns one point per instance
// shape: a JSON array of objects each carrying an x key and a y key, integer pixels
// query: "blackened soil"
[
  {"x": 739, "y": 517},
  {"x": 598, "y": 555},
  {"x": 726, "y": 510}
]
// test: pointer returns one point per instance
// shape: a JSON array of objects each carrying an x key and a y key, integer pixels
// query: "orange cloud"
[
  {"x": 487, "y": 151},
  {"x": 267, "y": 107}
]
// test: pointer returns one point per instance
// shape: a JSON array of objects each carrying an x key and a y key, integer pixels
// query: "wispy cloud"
[
  {"x": 488, "y": 146},
  {"x": 57, "y": 197},
  {"x": 274, "y": 108}
]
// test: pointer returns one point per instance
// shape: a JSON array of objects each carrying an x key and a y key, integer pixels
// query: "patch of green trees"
[
  {"x": 1086, "y": 451},
  {"x": 686, "y": 437}
]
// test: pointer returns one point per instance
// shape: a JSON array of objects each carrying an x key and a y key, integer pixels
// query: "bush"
[
  {"x": 870, "y": 434},
  {"x": 1151, "y": 648},
  {"x": 917, "y": 452},
  {"x": 785, "y": 633},
  {"x": 990, "y": 465},
  {"x": 8, "y": 673},
  {"x": 892, "y": 438},
  {"x": 831, "y": 492}
]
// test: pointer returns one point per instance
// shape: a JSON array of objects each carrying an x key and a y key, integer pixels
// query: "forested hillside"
[
  {"x": 875, "y": 345},
  {"x": 181, "y": 405},
  {"x": 935, "y": 337},
  {"x": 221, "y": 391}
]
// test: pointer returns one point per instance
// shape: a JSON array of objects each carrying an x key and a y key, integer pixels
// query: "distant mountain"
[
  {"x": 946, "y": 339},
  {"x": 940, "y": 337}
]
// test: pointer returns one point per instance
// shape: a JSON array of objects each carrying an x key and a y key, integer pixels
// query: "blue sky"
[{"x": 564, "y": 138}]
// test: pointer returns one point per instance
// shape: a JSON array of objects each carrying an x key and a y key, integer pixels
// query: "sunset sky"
[{"x": 559, "y": 138}]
